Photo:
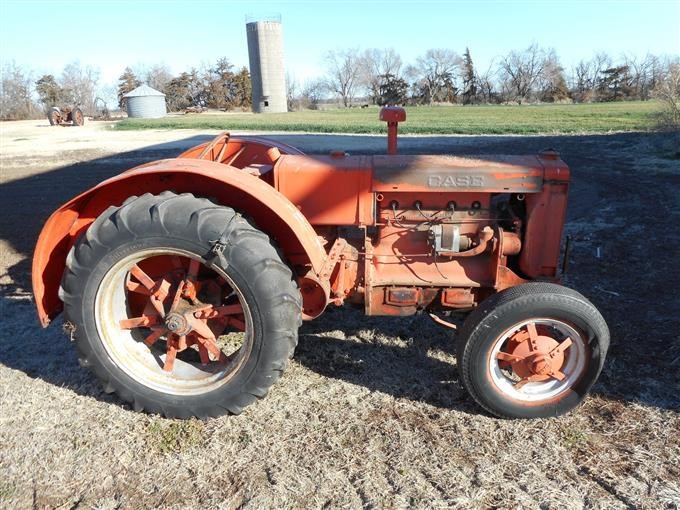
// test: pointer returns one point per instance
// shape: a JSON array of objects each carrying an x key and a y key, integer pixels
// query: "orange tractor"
[
  {"x": 66, "y": 115},
  {"x": 184, "y": 281}
]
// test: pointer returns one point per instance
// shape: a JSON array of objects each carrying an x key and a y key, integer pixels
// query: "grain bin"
[
  {"x": 145, "y": 102},
  {"x": 267, "y": 72}
]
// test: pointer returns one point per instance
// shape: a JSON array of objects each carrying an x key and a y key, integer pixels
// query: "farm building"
[{"x": 145, "y": 102}]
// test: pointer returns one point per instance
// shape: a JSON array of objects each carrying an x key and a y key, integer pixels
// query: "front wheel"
[
  {"x": 532, "y": 351},
  {"x": 77, "y": 117},
  {"x": 172, "y": 325}
]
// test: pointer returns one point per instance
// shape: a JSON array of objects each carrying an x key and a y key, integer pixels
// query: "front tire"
[
  {"x": 532, "y": 351},
  {"x": 77, "y": 117},
  {"x": 171, "y": 326}
]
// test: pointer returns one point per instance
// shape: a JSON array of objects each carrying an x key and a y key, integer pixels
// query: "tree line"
[
  {"x": 22, "y": 96},
  {"x": 211, "y": 86},
  {"x": 360, "y": 77},
  {"x": 535, "y": 74}
]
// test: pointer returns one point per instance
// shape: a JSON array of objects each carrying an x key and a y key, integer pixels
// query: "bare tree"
[
  {"x": 667, "y": 91},
  {"x": 374, "y": 64},
  {"x": 15, "y": 93},
  {"x": 292, "y": 93},
  {"x": 520, "y": 72},
  {"x": 343, "y": 73},
  {"x": 435, "y": 74},
  {"x": 586, "y": 76},
  {"x": 552, "y": 83},
  {"x": 312, "y": 93},
  {"x": 157, "y": 76},
  {"x": 581, "y": 83},
  {"x": 80, "y": 84},
  {"x": 644, "y": 74},
  {"x": 486, "y": 83}
]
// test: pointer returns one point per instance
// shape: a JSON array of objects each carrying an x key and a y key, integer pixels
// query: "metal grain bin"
[{"x": 145, "y": 102}]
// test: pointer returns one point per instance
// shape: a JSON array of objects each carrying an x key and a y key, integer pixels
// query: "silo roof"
[{"x": 143, "y": 90}]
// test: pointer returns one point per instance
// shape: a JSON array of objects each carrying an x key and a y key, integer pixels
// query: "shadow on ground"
[{"x": 623, "y": 199}]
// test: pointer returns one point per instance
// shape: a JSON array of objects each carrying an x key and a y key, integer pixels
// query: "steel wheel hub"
[
  {"x": 172, "y": 323},
  {"x": 537, "y": 359}
]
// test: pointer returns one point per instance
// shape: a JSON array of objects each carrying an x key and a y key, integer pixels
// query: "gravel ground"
[{"x": 371, "y": 412}]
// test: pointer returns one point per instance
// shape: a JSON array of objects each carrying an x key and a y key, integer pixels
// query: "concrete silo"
[{"x": 267, "y": 72}]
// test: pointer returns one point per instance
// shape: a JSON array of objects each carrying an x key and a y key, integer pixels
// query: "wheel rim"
[
  {"x": 172, "y": 323},
  {"x": 538, "y": 360},
  {"x": 78, "y": 117}
]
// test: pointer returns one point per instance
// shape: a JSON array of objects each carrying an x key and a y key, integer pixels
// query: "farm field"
[
  {"x": 371, "y": 412},
  {"x": 470, "y": 120}
]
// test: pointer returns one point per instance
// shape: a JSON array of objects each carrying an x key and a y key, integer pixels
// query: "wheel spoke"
[
  {"x": 158, "y": 296},
  {"x": 144, "y": 278},
  {"x": 236, "y": 323},
  {"x": 170, "y": 355},
  {"x": 566, "y": 343},
  {"x": 533, "y": 336},
  {"x": 223, "y": 311},
  {"x": 204, "y": 331},
  {"x": 557, "y": 375},
  {"x": 138, "y": 322},
  {"x": 214, "y": 312},
  {"x": 137, "y": 287},
  {"x": 206, "y": 337},
  {"x": 154, "y": 336},
  {"x": 203, "y": 353},
  {"x": 210, "y": 346},
  {"x": 511, "y": 358},
  {"x": 532, "y": 378},
  {"x": 178, "y": 295}
]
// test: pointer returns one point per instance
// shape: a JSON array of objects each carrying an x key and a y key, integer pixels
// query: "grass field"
[{"x": 472, "y": 120}]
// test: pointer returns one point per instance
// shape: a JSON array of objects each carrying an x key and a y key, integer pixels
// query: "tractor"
[
  {"x": 66, "y": 115},
  {"x": 184, "y": 281}
]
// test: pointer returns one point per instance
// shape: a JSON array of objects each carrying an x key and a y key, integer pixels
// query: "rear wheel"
[
  {"x": 53, "y": 116},
  {"x": 531, "y": 351},
  {"x": 77, "y": 117},
  {"x": 171, "y": 326}
]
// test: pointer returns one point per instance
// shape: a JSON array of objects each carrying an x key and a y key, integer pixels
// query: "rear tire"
[
  {"x": 506, "y": 377},
  {"x": 53, "y": 116},
  {"x": 179, "y": 225}
]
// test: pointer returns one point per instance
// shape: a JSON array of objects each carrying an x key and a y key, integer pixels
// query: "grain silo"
[
  {"x": 145, "y": 102},
  {"x": 267, "y": 72}
]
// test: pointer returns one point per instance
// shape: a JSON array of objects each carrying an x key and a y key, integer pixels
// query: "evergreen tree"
[
  {"x": 242, "y": 89},
  {"x": 126, "y": 83},
  {"x": 49, "y": 91},
  {"x": 469, "y": 81},
  {"x": 392, "y": 90}
]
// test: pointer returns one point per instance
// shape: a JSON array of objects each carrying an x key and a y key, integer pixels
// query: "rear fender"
[{"x": 272, "y": 212}]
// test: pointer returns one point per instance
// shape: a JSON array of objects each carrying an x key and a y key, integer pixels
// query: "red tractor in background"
[
  {"x": 66, "y": 115},
  {"x": 184, "y": 281}
]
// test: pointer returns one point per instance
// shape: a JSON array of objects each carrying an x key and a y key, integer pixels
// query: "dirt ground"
[{"x": 371, "y": 412}]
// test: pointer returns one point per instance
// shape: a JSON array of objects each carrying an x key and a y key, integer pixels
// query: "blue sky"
[{"x": 46, "y": 35}]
